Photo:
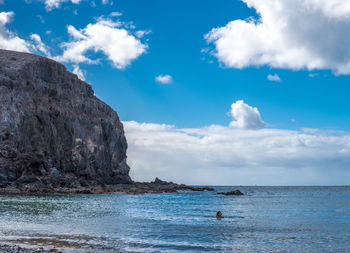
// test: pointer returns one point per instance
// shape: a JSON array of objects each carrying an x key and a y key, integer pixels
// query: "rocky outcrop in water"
[
  {"x": 53, "y": 131},
  {"x": 234, "y": 193}
]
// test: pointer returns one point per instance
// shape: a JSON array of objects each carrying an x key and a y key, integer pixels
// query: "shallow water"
[{"x": 266, "y": 219}]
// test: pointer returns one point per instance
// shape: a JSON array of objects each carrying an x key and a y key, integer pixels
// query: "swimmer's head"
[{"x": 219, "y": 214}]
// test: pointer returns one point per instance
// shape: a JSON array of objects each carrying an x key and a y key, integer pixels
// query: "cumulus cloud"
[
  {"x": 274, "y": 78},
  {"x": 109, "y": 37},
  {"x": 245, "y": 116},
  {"x": 51, "y": 4},
  {"x": 38, "y": 45},
  {"x": 77, "y": 70},
  {"x": 298, "y": 34},
  {"x": 9, "y": 40},
  {"x": 219, "y": 155},
  {"x": 164, "y": 79}
]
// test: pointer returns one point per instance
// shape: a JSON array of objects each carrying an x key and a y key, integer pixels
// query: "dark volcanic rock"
[
  {"x": 236, "y": 193},
  {"x": 158, "y": 181},
  {"x": 53, "y": 131},
  {"x": 158, "y": 186}
]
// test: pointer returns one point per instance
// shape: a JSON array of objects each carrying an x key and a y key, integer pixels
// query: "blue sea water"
[{"x": 265, "y": 219}]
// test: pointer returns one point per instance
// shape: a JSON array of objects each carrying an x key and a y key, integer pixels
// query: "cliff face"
[{"x": 53, "y": 131}]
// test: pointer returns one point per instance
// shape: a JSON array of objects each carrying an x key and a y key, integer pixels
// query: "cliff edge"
[{"x": 53, "y": 131}]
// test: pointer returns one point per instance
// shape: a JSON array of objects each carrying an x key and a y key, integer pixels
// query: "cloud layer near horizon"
[
  {"x": 218, "y": 155},
  {"x": 237, "y": 154},
  {"x": 298, "y": 34}
]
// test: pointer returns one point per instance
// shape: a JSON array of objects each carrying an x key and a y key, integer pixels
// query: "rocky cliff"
[{"x": 53, "y": 131}]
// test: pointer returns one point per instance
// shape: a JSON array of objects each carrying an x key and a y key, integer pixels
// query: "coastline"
[{"x": 155, "y": 187}]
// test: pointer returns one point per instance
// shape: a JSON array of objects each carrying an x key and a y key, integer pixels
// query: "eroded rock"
[{"x": 53, "y": 131}]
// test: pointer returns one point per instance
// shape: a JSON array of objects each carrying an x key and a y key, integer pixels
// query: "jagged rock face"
[{"x": 53, "y": 130}]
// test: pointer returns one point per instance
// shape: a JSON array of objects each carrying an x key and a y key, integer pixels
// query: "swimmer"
[{"x": 219, "y": 215}]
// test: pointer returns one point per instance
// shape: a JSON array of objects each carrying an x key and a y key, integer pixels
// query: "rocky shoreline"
[
  {"x": 157, "y": 186},
  {"x": 18, "y": 249}
]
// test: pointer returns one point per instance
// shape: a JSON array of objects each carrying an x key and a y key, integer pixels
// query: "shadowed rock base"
[{"x": 158, "y": 186}]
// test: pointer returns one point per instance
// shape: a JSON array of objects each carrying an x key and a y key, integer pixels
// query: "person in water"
[{"x": 219, "y": 215}]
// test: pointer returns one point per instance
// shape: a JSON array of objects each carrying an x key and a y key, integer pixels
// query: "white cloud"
[
  {"x": 298, "y": 34},
  {"x": 142, "y": 33},
  {"x": 164, "y": 79},
  {"x": 274, "y": 78},
  {"x": 38, "y": 45},
  {"x": 77, "y": 70},
  {"x": 245, "y": 116},
  {"x": 51, "y": 4},
  {"x": 105, "y": 2},
  {"x": 9, "y": 40},
  {"x": 218, "y": 155},
  {"x": 116, "y": 14},
  {"x": 106, "y": 36}
]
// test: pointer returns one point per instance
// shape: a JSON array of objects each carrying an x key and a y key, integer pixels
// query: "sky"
[{"x": 225, "y": 92}]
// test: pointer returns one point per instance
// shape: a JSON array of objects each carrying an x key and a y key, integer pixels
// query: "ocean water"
[{"x": 265, "y": 219}]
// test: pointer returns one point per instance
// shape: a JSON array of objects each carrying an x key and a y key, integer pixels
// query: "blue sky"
[{"x": 309, "y": 88}]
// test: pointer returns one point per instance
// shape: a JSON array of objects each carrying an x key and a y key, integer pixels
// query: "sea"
[{"x": 265, "y": 219}]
